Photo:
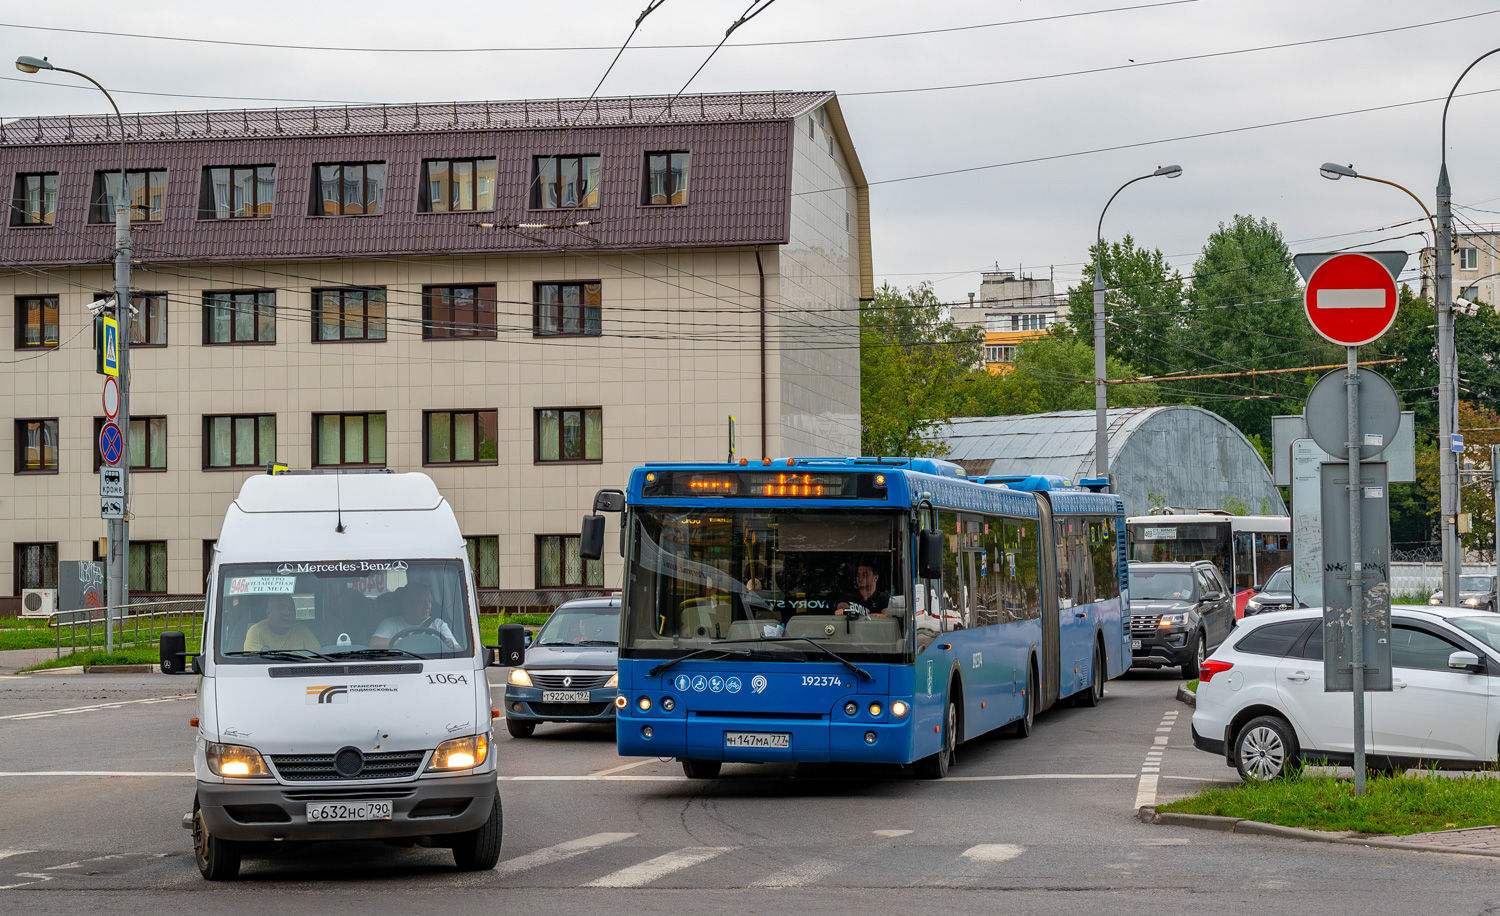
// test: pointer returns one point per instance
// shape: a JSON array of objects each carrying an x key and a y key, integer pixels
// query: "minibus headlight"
[
  {"x": 460, "y": 753},
  {"x": 236, "y": 761},
  {"x": 519, "y": 677},
  {"x": 614, "y": 680}
]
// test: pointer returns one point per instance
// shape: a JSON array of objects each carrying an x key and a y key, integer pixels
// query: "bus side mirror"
[
  {"x": 591, "y": 538},
  {"x": 512, "y": 645},
  {"x": 930, "y": 554}
]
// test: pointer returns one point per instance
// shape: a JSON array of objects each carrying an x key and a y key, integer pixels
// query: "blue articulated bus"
[{"x": 856, "y": 610}]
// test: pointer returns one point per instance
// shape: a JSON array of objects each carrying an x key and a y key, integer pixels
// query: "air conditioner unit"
[{"x": 38, "y": 602}]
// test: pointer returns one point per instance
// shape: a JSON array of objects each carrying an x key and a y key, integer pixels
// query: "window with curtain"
[
  {"x": 146, "y": 442},
  {"x": 484, "y": 559},
  {"x": 36, "y": 566},
  {"x": 145, "y": 192},
  {"x": 461, "y": 437},
  {"x": 559, "y": 563},
  {"x": 239, "y": 441},
  {"x": 566, "y": 309},
  {"x": 237, "y": 192},
  {"x": 148, "y": 567},
  {"x": 239, "y": 317},
  {"x": 666, "y": 179},
  {"x": 451, "y": 185},
  {"x": 148, "y": 318},
  {"x": 458, "y": 311},
  {"x": 559, "y": 182},
  {"x": 349, "y": 440},
  {"x": 348, "y": 189},
  {"x": 348, "y": 314},
  {"x": 569, "y": 434},
  {"x": 36, "y": 446},
  {"x": 36, "y": 322},
  {"x": 34, "y": 202}
]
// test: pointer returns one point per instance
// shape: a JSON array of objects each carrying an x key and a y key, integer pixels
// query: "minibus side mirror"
[
  {"x": 930, "y": 554},
  {"x": 173, "y": 655},
  {"x": 512, "y": 645},
  {"x": 591, "y": 538}
]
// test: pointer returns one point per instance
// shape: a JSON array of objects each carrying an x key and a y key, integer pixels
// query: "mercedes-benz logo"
[
  {"x": 284, "y": 569},
  {"x": 568, "y": 681}
]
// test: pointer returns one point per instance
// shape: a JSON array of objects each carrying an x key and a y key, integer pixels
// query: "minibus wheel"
[
  {"x": 479, "y": 850},
  {"x": 218, "y": 859}
]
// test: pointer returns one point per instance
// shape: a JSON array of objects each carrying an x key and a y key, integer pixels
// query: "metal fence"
[{"x": 135, "y": 623}]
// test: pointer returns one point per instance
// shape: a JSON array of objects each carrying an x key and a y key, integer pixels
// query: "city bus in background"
[
  {"x": 813, "y": 610},
  {"x": 1246, "y": 548}
]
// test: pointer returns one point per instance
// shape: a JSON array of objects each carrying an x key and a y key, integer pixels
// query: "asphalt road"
[{"x": 1040, "y": 825}]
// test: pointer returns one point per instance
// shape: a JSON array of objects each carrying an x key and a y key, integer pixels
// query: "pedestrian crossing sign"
[{"x": 108, "y": 347}]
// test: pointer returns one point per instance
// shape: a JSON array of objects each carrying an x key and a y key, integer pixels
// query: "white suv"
[{"x": 1261, "y": 702}]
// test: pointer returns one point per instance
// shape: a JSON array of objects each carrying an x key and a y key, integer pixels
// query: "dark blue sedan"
[{"x": 569, "y": 674}]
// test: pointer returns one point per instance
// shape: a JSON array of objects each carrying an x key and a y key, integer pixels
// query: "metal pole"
[
  {"x": 1101, "y": 397},
  {"x": 1495, "y": 491},
  {"x": 1356, "y": 575},
  {"x": 1447, "y": 394},
  {"x": 119, "y": 528}
]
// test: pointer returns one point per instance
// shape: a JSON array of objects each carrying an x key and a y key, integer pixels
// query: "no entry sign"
[{"x": 1351, "y": 299}]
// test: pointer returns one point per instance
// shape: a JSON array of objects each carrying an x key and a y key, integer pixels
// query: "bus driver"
[{"x": 866, "y": 599}]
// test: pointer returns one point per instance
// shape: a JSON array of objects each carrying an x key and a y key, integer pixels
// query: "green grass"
[
  {"x": 1192, "y": 685},
  {"x": 27, "y": 638},
  {"x": 1417, "y": 597},
  {"x": 489, "y": 623},
  {"x": 1391, "y": 805},
  {"x": 131, "y": 655},
  {"x": 24, "y": 623}
]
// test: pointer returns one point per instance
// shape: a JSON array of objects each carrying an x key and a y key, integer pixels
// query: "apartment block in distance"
[
  {"x": 1012, "y": 309},
  {"x": 522, "y": 299}
]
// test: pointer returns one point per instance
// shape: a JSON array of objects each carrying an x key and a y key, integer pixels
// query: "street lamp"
[
  {"x": 1333, "y": 172},
  {"x": 1101, "y": 400},
  {"x": 119, "y": 529}
]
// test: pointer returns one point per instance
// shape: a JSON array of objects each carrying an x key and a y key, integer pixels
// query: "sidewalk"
[{"x": 12, "y": 660}]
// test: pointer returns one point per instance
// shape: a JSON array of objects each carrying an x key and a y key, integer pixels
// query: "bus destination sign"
[{"x": 787, "y": 484}]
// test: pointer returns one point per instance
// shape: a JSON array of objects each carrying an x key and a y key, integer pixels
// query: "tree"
[
  {"x": 1143, "y": 301},
  {"x": 1245, "y": 312},
  {"x": 1053, "y": 372},
  {"x": 1481, "y": 428},
  {"x": 913, "y": 362}
]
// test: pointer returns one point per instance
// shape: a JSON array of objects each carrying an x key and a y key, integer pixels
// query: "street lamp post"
[
  {"x": 1101, "y": 399},
  {"x": 119, "y": 529}
]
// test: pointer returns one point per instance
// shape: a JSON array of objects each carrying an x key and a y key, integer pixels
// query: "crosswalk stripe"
[
  {"x": 801, "y": 874},
  {"x": 659, "y": 867},
  {"x": 42, "y": 714},
  {"x": 993, "y": 852},
  {"x": 560, "y": 852}
]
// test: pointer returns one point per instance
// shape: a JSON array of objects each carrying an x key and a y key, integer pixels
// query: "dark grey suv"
[{"x": 1179, "y": 613}]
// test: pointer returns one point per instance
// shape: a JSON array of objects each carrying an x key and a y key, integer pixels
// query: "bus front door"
[{"x": 1051, "y": 635}]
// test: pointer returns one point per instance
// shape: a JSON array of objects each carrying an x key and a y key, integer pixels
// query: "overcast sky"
[{"x": 1040, "y": 215}]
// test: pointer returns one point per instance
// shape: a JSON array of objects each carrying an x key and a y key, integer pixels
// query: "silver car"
[{"x": 570, "y": 670}]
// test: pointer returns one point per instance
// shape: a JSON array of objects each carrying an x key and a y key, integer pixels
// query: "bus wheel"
[
  {"x": 1022, "y": 727},
  {"x": 935, "y": 766},
  {"x": 701, "y": 769},
  {"x": 1091, "y": 697}
]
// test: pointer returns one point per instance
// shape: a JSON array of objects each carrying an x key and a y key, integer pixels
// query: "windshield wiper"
[
  {"x": 286, "y": 655},
  {"x": 813, "y": 642},
  {"x": 597, "y": 642},
  {"x": 376, "y": 653},
  {"x": 697, "y": 653}
]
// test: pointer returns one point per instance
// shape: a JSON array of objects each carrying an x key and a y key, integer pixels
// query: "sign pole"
[
  {"x": 1356, "y": 575},
  {"x": 119, "y": 528}
]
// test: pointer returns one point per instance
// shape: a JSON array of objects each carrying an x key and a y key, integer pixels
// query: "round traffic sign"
[
  {"x": 1350, "y": 299},
  {"x": 111, "y": 397},
  {"x": 111, "y": 444}
]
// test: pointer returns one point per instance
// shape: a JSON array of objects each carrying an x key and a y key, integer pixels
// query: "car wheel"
[
  {"x": 1265, "y": 749},
  {"x": 935, "y": 766},
  {"x": 1199, "y": 654},
  {"x": 479, "y": 849},
  {"x": 1023, "y": 727},
  {"x": 519, "y": 729},
  {"x": 701, "y": 769},
  {"x": 218, "y": 859},
  {"x": 1095, "y": 694}
]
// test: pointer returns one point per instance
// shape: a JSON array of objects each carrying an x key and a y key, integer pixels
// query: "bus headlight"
[
  {"x": 621, "y": 702},
  {"x": 460, "y": 753},
  {"x": 235, "y": 761},
  {"x": 899, "y": 709},
  {"x": 875, "y": 710},
  {"x": 519, "y": 677},
  {"x": 644, "y": 703}
]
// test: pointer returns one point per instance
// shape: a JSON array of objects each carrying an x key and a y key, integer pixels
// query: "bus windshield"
[
  {"x": 1168, "y": 542},
  {"x": 774, "y": 578},
  {"x": 299, "y": 611}
]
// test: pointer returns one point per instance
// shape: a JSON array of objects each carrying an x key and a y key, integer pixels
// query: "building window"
[
  {"x": 569, "y": 434},
  {"x": 36, "y": 322},
  {"x": 812, "y": 127},
  {"x": 36, "y": 566},
  {"x": 1468, "y": 259},
  {"x": 34, "y": 202},
  {"x": 241, "y": 317},
  {"x": 348, "y": 314},
  {"x": 484, "y": 559},
  {"x": 461, "y": 437},
  {"x": 145, "y": 192},
  {"x": 147, "y": 443},
  {"x": 458, "y": 311},
  {"x": 559, "y": 564},
  {"x": 349, "y": 440},
  {"x": 239, "y": 441},
  {"x": 994, "y": 353},
  {"x": 457, "y": 184},
  {"x": 348, "y": 189},
  {"x": 237, "y": 192},
  {"x": 148, "y": 318},
  {"x": 565, "y": 309},
  {"x": 1028, "y": 322},
  {"x": 148, "y": 568},
  {"x": 666, "y": 179},
  {"x": 36, "y": 446},
  {"x": 564, "y": 181}
]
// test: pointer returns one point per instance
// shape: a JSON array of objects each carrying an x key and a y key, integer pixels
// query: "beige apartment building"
[{"x": 522, "y": 299}]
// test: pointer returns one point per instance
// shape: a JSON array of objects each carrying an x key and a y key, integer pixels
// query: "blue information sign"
[
  {"x": 111, "y": 444},
  {"x": 1456, "y": 442}
]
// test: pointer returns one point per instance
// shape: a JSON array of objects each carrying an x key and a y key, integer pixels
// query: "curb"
[
  {"x": 1149, "y": 815},
  {"x": 71, "y": 669},
  {"x": 119, "y": 669},
  {"x": 1185, "y": 695}
]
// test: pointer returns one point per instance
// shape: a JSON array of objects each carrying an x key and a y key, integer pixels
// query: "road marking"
[
  {"x": 7, "y": 853},
  {"x": 939, "y": 782},
  {"x": 803, "y": 873},
  {"x": 659, "y": 867},
  {"x": 1145, "y": 795},
  {"x": 993, "y": 852},
  {"x": 628, "y": 766},
  {"x": 95, "y": 773},
  {"x": 76, "y": 709},
  {"x": 1160, "y": 739},
  {"x": 596, "y": 777},
  {"x": 560, "y": 852},
  {"x": 891, "y": 833},
  {"x": 1166, "y": 841},
  {"x": 6, "y": 887},
  {"x": 591, "y": 778}
]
